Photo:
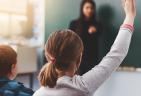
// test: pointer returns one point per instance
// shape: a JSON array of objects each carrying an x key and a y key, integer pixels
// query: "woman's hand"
[
  {"x": 92, "y": 29},
  {"x": 130, "y": 11}
]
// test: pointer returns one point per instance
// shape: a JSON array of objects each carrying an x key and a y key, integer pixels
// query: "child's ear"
[
  {"x": 13, "y": 71},
  {"x": 13, "y": 66}
]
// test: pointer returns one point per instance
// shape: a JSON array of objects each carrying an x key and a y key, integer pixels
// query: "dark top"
[
  {"x": 90, "y": 41},
  {"x": 13, "y": 88}
]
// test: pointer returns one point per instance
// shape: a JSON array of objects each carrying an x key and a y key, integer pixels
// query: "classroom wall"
[
  {"x": 121, "y": 84},
  {"x": 59, "y": 13}
]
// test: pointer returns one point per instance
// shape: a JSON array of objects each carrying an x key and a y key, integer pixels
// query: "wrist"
[
  {"x": 129, "y": 19},
  {"x": 130, "y": 16},
  {"x": 131, "y": 27}
]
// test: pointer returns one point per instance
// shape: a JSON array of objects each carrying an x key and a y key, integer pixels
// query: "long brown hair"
[
  {"x": 8, "y": 57},
  {"x": 81, "y": 19},
  {"x": 82, "y": 16},
  {"x": 62, "y": 49}
]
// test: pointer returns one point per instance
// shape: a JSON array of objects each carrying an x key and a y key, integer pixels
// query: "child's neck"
[
  {"x": 10, "y": 77},
  {"x": 67, "y": 73}
]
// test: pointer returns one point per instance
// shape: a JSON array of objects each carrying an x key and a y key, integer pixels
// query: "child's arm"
[{"x": 95, "y": 77}]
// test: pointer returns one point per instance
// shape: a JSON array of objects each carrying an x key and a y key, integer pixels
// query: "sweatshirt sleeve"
[{"x": 95, "y": 77}]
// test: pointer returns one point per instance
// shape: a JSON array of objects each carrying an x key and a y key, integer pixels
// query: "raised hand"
[{"x": 130, "y": 11}]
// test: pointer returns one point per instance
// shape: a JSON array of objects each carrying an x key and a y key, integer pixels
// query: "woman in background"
[{"x": 86, "y": 26}]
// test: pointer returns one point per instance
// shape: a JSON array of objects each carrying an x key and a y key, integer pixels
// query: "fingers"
[
  {"x": 129, "y": 5},
  {"x": 134, "y": 4},
  {"x": 123, "y": 3},
  {"x": 130, "y": 11}
]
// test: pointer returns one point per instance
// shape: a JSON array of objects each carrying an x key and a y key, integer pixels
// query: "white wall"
[{"x": 121, "y": 84}]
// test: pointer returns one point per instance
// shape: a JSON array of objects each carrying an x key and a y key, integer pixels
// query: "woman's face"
[{"x": 88, "y": 10}]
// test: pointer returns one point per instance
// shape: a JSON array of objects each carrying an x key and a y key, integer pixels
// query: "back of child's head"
[
  {"x": 63, "y": 49},
  {"x": 8, "y": 57}
]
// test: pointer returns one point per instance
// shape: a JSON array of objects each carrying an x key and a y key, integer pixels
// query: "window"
[{"x": 21, "y": 19}]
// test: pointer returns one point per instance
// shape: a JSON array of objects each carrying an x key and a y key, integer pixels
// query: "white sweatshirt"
[{"x": 87, "y": 84}]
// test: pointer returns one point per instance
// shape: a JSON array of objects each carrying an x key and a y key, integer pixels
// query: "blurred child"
[{"x": 8, "y": 71}]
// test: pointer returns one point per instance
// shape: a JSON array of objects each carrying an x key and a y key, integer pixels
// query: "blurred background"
[
  {"x": 26, "y": 25},
  {"x": 22, "y": 27}
]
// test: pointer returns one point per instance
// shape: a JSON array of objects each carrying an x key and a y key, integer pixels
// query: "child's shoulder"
[
  {"x": 41, "y": 92},
  {"x": 11, "y": 87}
]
